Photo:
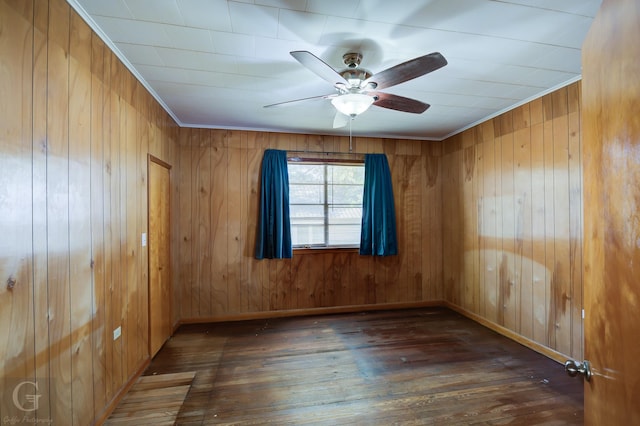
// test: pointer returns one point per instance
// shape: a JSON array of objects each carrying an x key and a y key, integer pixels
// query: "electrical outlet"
[{"x": 116, "y": 333}]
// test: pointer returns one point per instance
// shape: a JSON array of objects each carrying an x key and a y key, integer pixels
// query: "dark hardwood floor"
[{"x": 417, "y": 366}]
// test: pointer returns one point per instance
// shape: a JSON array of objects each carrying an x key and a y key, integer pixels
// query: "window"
[{"x": 325, "y": 203}]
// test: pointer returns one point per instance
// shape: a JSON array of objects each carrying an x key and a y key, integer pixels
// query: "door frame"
[{"x": 153, "y": 159}]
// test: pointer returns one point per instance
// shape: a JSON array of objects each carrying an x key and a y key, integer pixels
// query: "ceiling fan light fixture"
[{"x": 352, "y": 104}]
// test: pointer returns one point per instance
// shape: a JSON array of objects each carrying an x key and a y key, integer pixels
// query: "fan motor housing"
[
  {"x": 353, "y": 74},
  {"x": 352, "y": 59}
]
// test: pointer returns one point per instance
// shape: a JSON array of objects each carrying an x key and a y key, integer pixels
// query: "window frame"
[{"x": 316, "y": 160}]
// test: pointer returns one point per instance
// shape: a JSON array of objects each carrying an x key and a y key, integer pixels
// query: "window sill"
[{"x": 318, "y": 250}]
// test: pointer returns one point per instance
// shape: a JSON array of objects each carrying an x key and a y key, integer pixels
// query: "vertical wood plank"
[
  {"x": 414, "y": 225},
  {"x": 235, "y": 194},
  {"x": 204, "y": 213},
  {"x": 285, "y": 289},
  {"x": 561, "y": 291},
  {"x": 17, "y": 346},
  {"x": 501, "y": 262},
  {"x": 123, "y": 203},
  {"x": 108, "y": 225},
  {"x": 469, "y": 253},
  {"x": 197, "y": 293},
  {"x": 396, "y": 279},
  {"x": 549, "y": 221},
  {"x": 142, "y": 326},
  {"x": 452, "y": 226},
  {"x": 99, "y": 332},
  {"x": 435, "y": 224},
  {"x": 58, "y": 219},
  {"x": 255, "y": 146},
  {"x": 490, "y": 243},
  {"x": 508, "y": 290},
  {"x": 538, "y": 223},
  {"x": 132, "y": 314},
  {"x": 329, "y": 285},
  {"x": 298, "y": 278},
  {"x": 425, "y": 219},
  {"x": 480, "y": 254},
  {"x": 219, "y": 231},
  {"x": 340, "y": 277},
  {"x": 244, "y": 258},
  {"x": 81, "y": 295},
  {"x": 316, "y": 289},
  {"x": 185, "y": 238},
  {"x": 116, "y": 366},
  {"x": 523, "y": 235},
  {"x": 39, "y": 196}
]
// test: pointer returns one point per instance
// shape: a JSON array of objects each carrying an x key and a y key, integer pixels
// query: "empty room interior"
[{"x": 319, "y": 212}]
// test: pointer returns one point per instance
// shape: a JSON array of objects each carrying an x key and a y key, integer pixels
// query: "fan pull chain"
[{"x": 350, "y": 137}]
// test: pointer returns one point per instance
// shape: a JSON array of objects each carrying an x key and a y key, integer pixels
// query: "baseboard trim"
[
  {"x": 541, "y": 349},
  {"x": 312, "y": 311},
  {"x": 111, "y": 406}
]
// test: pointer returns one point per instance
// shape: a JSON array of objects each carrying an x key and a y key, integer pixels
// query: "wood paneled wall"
[
  {"x": 75, "y": 131},
  {"x": 512, "y": 218},
  {"x": 218, "y": 199}
]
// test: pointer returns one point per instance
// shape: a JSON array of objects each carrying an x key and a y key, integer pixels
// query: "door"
[
  {"x": 611, "y": 167},
  {"x": 160, "y": 289}
]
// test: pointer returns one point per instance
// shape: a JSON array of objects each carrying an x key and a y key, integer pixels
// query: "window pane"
[
  {"x": 343, "y": 214},
  {"x": 307, "y": 224},
  {"x": 306, "y": 173},
  {"x": 346, "y": 194},
  {"x": 345, "y": 235},
  {"x": 345, "y": 174},
  {"x": 301, "y": 212},
  {"x": 303, "y": 235},
  {"x": 306, "y": 194},
  {"x": 344, "y": 225}
]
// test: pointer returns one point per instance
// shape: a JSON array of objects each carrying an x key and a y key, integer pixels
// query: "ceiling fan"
[{"x": 357, "y": 88}]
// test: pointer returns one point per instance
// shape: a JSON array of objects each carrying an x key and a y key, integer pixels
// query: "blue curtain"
[
  {"x": 273, "y": 240},
  {"x": 378, "y": 236}
]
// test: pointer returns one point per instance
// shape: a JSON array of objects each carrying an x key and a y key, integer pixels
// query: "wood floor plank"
[{"x": 417, "y": 366}]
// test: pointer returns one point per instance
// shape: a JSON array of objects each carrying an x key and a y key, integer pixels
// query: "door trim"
[
  {"x": 153, "y": 159},
  {"x": 158, "y": 161}
]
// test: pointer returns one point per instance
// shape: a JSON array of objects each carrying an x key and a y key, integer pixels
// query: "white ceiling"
[{"x": 216, "y": 63}]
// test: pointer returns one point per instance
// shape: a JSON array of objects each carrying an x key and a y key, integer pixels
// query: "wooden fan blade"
[
  {"x": 406, "y": 71},
  {"x": 340, "y": 120},
  {"x": 398, "y": 103},
  {"x": 319, "y": 67},
  {"x": 312, "y": 98}
]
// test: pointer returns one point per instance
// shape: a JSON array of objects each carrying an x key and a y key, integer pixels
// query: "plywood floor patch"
[{"x": 153, "y": 400}]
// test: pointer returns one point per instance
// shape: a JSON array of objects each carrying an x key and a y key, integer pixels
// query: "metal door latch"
[{"x": 573, "y": 368}]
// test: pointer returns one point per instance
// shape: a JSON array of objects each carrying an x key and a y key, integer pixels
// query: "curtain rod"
[
  {"x": 338, "y": 157},
  {"x": 324, "y": 152}
]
